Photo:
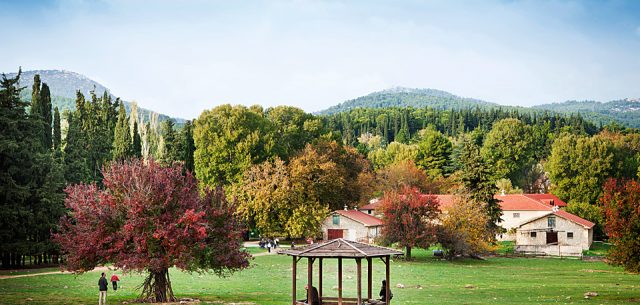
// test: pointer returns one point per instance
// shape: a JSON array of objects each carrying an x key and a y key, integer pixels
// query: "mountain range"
[
  {"x": 63, "y": 85},
  {"x": 625, "y": 112}
]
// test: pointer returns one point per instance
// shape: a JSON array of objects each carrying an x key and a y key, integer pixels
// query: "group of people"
[
  {"x": 269, "y": 243},
  {"x": 103, "y": 286},
  {"x": 314, "y": 299}
]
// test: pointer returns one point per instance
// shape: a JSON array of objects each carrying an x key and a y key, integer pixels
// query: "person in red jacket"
[{"x": 114, "y": 281}]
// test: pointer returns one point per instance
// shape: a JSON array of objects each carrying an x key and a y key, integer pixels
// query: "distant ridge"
[
  {"x": 410, "y": 97},
  {"x": 64, "y": 84},
  {"x": 625, "y": 111}
]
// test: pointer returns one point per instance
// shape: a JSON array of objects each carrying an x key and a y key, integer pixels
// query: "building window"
[
  {"x": 516, "y": 215},
  {"x": 551, "y": 222},
  {"x": 569, "y": 235},
  {"x": 336, "y": 220},
  {"x": 534, "y": 234},
  {"x": 369, "y": 212}
]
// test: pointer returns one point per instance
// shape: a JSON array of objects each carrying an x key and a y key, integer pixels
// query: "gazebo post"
[
  {"x": 386, "y": 295},
  {"x": 309, "y": 277},
  {"x": 320, "y": 279},
  {"x": 369, "y": 268},
  {"x": 293, "y": 292},
  {"x": 339, "y": 280},
  {"x": 359, "y": 285}
]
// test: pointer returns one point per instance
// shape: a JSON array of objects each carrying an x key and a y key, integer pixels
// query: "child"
[{"x": 114, "y": 281}]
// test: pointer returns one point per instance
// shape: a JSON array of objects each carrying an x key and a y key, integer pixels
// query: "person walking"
[
  {"x": 102, "y": 286},
  {"x": 114, "y": 281}
]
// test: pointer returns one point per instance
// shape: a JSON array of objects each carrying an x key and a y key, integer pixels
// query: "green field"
[{"x": 426, "y": 281}]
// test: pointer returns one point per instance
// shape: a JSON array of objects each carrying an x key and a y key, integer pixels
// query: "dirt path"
[{"x": 3, "y": 277}]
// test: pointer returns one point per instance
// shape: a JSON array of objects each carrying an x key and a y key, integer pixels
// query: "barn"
[{"x": 351, "y": 225}]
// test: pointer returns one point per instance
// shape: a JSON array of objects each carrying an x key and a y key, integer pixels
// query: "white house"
[
  {"x": 527, "y": 213},
  {"x": 555, "y": 233},
  {"x": 351, "y": 225}
]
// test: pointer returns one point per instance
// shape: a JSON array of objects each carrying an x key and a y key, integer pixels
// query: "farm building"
[
  {"x": 528, "y": 213},
  {"x": 351, "y": 225},
  {"x": 555, "y": 233}
]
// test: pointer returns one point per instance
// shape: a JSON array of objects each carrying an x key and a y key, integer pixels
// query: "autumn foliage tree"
[
  {"x": 149, "y": 218},
  {"x": 621, "y": 205},
  {"x": 409, "y": 218},
  {"x": 463, "y": 230}
]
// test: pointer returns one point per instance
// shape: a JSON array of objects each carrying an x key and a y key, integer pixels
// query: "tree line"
[
  {"x": 288, "y": 168},
  {"x": 44, "y": 150}
]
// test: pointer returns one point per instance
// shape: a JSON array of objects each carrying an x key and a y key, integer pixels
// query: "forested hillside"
[
  {"x": 625, "y": 112},
  {"x": 409, "y": 97},
  {"x": 64, "y": 85}
]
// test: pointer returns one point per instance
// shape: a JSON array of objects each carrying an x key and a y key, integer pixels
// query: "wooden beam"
[
  {"x": 359, "y": 285},
  {"x": 309, "y": 277},
  {"x": 320, "y": 279},
  {"x": 386, "y": 296},
  {"x": 369, "y": 276},
  {"x": 293, "y": 292},
  {"x": 340, "y": 281}
]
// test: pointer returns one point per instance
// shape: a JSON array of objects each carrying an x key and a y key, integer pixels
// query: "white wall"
[
  {"x": 582, "y": 237},
  {"x": 510, "y": 222},
  {"x": 353, "y": 230}
]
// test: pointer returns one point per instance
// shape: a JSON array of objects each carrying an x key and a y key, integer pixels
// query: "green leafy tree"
[
  {"x": 229, "y": 139},
  {"x": 294, "y": 128},
  {"x": 509, "y": 149}
]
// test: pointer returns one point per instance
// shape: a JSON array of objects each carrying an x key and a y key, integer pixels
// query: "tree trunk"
[
  {"x": 408, "y": 255},
  {"x": 157, "y": 287}
]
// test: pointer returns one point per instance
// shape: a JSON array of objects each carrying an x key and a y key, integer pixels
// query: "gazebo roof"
[{"x": 341, "y": 248}]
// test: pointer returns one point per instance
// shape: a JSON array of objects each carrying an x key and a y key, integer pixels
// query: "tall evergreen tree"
[
  {"x": 171, "y": 153},
  {"x": 57, "y": 133},
  {"x": 122, "y": 144},
  {"x": 16, "y": 161},
  {"x": 137, "y": 141},
  {"x": 478, "y": 184},
  {"x": 76, "y": 168},
  {"x": 188, "y": 147},
  {"x": 45, "y": 100}
]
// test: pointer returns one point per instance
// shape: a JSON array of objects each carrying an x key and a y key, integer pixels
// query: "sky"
[{"x": 182, "y": 57}]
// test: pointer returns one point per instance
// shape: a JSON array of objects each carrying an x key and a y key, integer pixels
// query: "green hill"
[
  {"x": 409, "y": 97},
  {"x": 64, "y": 84},
  {"x": 625, "y": 112}
]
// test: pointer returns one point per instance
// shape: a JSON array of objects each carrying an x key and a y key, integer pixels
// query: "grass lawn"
[
  {"x": 426, "y": 280},
  {"x": 598, "y": 248}
]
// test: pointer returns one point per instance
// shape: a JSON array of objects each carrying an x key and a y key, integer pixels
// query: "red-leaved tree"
[
  {"x": 149, "y": 218},
  {"x": 621, "y": 206},
  {"x": 409, "y": 218}
]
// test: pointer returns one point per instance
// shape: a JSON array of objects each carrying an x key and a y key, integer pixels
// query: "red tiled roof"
[
  {"x": 581, "y": 221},
  {"x": 365, "y": 219},
  {"x": 546, "y": 198},
  {"x": 508, "y": 202},
  {"x": 519, "y": 202}
]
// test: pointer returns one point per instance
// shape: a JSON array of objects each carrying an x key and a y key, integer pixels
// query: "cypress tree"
[
  {"x": 169, "y": 140},
  {"x": 137, "y": 141},
  {"x": 122, "y": 146},
  {"x": 188, "y": 147},
  {"x": 76, "y": 168},
  {"x": 45, "y": 102},
  {"x": 57, "y": 134}
]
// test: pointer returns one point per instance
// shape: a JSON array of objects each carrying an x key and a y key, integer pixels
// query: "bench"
[{"x": 345, "y": 301}]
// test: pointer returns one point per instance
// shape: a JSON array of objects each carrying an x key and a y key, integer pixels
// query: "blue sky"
[{"x": 181, "y": 57}]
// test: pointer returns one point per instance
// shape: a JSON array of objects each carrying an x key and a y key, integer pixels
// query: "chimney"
[
  {"x": 502, "y": 192},
  {"x": 555, "y": 208},
  {"x": 345, "y": 207}
]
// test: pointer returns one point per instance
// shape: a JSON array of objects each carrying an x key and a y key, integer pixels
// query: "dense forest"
[{"x": 286, "y": 168}]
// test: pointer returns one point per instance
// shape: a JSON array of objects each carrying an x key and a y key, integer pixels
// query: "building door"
[
  {"x": 552, "y": 237},
  {"x": 334, "y": 233}
]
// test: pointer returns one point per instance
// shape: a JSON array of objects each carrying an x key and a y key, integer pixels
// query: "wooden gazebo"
[{"x": 341, "y": 249}]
